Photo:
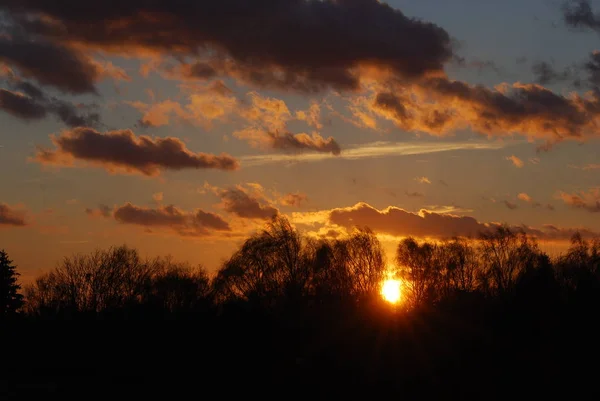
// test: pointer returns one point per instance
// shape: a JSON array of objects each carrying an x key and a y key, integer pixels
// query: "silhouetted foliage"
[
  {"x": 10, "y": 298},
  {"x": 491, "y": 317}
]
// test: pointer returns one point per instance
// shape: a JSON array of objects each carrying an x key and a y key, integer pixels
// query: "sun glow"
[{"x": 390, "y": 290}]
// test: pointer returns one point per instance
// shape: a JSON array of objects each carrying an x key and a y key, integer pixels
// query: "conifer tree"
[{"x": 10, "y": 298}]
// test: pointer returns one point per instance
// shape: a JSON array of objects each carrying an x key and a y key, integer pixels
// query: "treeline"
[
  {"x": 278, "y": 269},
  {"x": 290, "y": 316}
]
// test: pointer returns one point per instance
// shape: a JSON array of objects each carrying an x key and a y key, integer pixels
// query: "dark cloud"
[
  {"x": 11, "y": 217},
  {"x": 50, "y": 64},
  {"x": 28, "y": 102},
  {"x": 122, "y": 151},
  {"x": 510, "y": 205},
  {"x": 592, "y": 67},
  {"x": 239, "y": 202},
  {"x": 289, "y": 142},
  {"x": 579, "y": 75},
  {"x": 21, "y": 106},
  {"x": 579, "y": 14},
  {"x": 545, "y": 73},
  {"x": 299, "y": 142},
  {"x": 312, "y": 44},
  {"x": 198, "y": 223},
  {"x": 439, "y": 106},
  {"x": 398, "y": 222}
]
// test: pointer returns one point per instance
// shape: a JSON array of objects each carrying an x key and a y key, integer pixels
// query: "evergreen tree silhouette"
[{"x": 10, "y": 299}]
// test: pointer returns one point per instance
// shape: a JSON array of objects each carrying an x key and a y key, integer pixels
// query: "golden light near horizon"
[{"x": 390, "y": 290}]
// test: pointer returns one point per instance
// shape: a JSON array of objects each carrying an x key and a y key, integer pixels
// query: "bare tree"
[
  {"x": 504, "y": 255},
  {"x": 94, "y": 282},
  {"x": 417, "y": 267}
]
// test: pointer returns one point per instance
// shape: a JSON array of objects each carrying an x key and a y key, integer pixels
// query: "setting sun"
[{"x": 391, "y": 291}]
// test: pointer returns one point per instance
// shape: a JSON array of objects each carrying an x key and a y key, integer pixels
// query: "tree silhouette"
[{"x": 10, "y": 299}]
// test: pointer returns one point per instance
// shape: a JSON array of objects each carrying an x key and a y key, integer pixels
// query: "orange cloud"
[
  {"x": 518, "y": 163},
  {"x": 123, "y": 152},
  {"x": 524, "y": 197},
  {"x": 423, "y": 180},
  {"x": 312, "y": 116},
  {"x": 398, "y": 222},
  {"x": 440, "y": 106},
  {"x": 205, "y": 104},
  {"x": 589, "y": 201},
  {"x": 269, "y": 117}
]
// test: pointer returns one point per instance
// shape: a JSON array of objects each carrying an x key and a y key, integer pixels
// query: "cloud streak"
[{"x": 372, "y": 150}]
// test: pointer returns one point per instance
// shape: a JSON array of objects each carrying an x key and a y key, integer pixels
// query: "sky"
[{"x": 180, "y": 128}]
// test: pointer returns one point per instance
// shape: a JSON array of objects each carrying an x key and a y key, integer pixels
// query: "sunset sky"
[{"x": 180, "y": 127}]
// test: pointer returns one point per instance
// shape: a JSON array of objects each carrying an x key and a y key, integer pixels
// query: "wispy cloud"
[{"x": 372, "y": 150}]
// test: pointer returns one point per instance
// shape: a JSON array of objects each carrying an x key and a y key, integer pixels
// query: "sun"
[{"x": 390, "y": 290}]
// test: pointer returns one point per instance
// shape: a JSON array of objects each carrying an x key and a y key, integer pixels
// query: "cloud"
[
  {"x": 589, "y": 201},
  {"x": 205, "y": 104},
  {"x": 290, "y": 142},
  {"x": 312, "y": 116},
  {"x": 269, "y": 117},
  {"x": 579, "y": 14},
  {"x": 293, "y": 199},
  {"x": 239, "y": 202},
  {"x": 256, "y": 43},
  {"x": 591, "y": 166},
  {"x": 50, "y": 64},
  {"x": 401, "y": 223},
  {"x": 439, "y": 106},
  {"x": 524, "y": 197},
  {"x": 373, "y": 150},
  {"x": 158, "y": 197},
  {"x": 121, "y": 151},
  {"x": 423, "y": 180},
  {"x": 518, "y": 163},
  {"x": 510, "y": 205},
  {"x": 545, "y": 73},
  {"x": 100, "y": 211},
  {"x": 196, "y": 223},
  {"x": 10, "y": 216},
  {"x": 20, "y": 105},
  {"x": 592, "y": 67},
  {"x": 29, "y": 102},
  {"x": 414, "y": 194}
]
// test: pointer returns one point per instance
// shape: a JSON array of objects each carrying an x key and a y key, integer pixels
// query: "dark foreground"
[{"x": 483, "y": 354}]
